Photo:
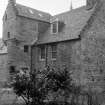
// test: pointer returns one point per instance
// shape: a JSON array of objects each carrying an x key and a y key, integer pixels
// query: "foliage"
[
  {"x": 60, "y": 81},
  {"x": 29, "y": 88},
  {"x": 35, "y": 87}
]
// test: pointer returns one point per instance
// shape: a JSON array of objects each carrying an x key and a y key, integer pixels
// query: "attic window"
[
  {"x": 54, "y": 51},
  {"x": 54, "y": 27},
  {"x": 12, "y": 69}
]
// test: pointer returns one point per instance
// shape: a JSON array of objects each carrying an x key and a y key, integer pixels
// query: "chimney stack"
[
  {"x": 13, "y": 2},
  {"x": 71, "y": 6},
  {"x": 90, "y": 4}
]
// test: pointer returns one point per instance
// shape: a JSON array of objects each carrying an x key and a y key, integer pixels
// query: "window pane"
[
  {"x": 54, "y": 48},
  {"x": 43, "y": 52},
  {"x": 25, "y": 48},
  {"x": 54, "y": 27},
  {"x": 54, "y": 55},
  {"x": 54, "y": 51}
]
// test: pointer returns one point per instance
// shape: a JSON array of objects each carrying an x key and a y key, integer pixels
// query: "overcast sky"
[{"x": 51, "y": 6}]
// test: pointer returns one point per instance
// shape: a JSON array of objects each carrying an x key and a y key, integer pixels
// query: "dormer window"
[
  {"x": 54, "y": 27},
  {"x": 54, "y": 52}
]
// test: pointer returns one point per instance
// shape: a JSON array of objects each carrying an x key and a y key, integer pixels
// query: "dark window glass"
[
  {"x": 42, "y": 52},
  {"x": 12, "y": 69},
  {"x": 54, "y": 51},
  {"x": 25, "y": 48},
  {"x": 8, "y": 35}
]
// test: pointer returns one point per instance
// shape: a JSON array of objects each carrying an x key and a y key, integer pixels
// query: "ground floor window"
[
  {"x": 54, "y": 51},
  {"x": 42, "y": 53}
]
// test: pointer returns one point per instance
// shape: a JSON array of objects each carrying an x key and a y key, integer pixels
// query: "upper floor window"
[
  {"x": 54, "y": 27},
  {"x": 54, "y": 51},
  {"x": 5, "y": 17},
  {"x": 8, "y": 35},
  {"x": 42, "y": 52},
  {"x": 26, "y": 48}
]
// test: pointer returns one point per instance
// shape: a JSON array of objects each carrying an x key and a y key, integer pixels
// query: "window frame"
[
  {"x": 12, "y": 70},
  {"x": 8, "y": 35},
  {"x": 40, "y": 54},
  {"x": 26, "y": 51},
  {"x": 53, "y": 50},
  {"x": 52, "y": 32}
]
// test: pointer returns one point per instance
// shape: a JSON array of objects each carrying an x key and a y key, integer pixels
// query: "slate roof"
[
  {"x": 74, "y": 21},
  {"x": 32, "y": 13}
]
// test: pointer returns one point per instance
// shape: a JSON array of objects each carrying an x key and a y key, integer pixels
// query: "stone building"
[
  {"x": 3, "y": 62},
  {"x": 20, "y": 31},
  {"x": 75, "y": 38}
]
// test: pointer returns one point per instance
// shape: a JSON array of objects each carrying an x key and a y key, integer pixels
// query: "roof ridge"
[
  {"x": 70, "y": 11},
  {"x": 32, "y": 8}
]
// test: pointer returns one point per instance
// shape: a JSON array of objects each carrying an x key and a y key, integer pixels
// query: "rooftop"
[
  {"x": 74, "y": 21},
  {"x": 32, "y": 13}
]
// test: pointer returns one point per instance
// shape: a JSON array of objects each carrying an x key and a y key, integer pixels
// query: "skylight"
[
  {"x": 31, "y": 11},
  {"x": 40, "y": 15}
]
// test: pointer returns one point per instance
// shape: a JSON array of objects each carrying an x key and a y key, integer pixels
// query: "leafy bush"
[{"x": 35, "y": 87}]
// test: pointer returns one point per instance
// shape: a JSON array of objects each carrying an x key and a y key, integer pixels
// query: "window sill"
[
  {"x": 53, "y": 59},
  {"x": 54, "y": 33},
  {"x": 41, "y": 59}
]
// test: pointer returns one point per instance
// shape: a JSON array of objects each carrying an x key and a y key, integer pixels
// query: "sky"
[{"x": 51, "y": 6}]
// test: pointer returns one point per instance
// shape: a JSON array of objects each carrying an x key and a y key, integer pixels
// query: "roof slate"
[
  {"x": 32, "y": 13},
  {"x": 74, "y": 21}
]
